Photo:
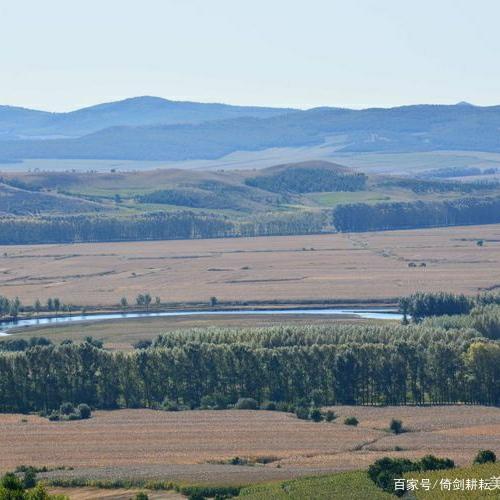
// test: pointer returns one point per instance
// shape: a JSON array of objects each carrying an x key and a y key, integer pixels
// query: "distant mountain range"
[
  {"x": 22, "y": 123},
  {"x": 149, "y": 128}
]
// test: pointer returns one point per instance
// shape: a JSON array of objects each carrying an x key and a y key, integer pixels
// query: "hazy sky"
[{"x": 63, "y": 54}]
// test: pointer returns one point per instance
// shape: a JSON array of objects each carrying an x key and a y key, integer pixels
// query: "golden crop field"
[
  {"x": 193, "y": 446},
  {"x": 359, "y": 266}
]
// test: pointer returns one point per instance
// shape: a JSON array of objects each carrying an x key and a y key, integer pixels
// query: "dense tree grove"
[
  {"x": 436, "y": 186},
  {"x": 384, "y": 216},
  {"x": 152, "y": 226},
  {"x": 309, "y": 180},
  {"x": 338, "y": 364},
  {"x": 422, "y": 305}
]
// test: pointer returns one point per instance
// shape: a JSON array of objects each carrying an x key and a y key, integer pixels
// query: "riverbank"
[{"x": 22, "y": 324}]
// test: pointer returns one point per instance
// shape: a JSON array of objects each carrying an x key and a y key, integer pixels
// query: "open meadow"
[
  {"x": 122, "y": 334},
  {"x": 197, "y": 446},
  {"x": 356, "y": 267}
]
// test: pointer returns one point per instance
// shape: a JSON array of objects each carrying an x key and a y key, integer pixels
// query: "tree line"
[
  {"x": 151, "y": 226},
  {"x": 339, "y": 364},
  {"x": 425, "y": 304},
  {"x": 411, "y": 215},
  {"x": 11, "y": 308}
]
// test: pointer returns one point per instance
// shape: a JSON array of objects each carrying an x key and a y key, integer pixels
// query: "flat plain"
[
  {"x": 359, "y": 266},
  {"x": 194, "y": 446}
]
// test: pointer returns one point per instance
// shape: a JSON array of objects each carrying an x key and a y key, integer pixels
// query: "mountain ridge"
[{"x": 413, "y": 128}]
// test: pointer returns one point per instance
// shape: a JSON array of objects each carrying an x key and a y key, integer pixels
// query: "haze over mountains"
[
  {"x": 19, "y": 123},
  {"x": 150, "y": 128}
]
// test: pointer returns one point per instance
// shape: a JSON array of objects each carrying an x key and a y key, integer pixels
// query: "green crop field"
[{"x": 346, "y": 485}]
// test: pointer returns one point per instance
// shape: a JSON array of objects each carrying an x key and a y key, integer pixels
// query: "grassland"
[
  {"x": 342, "y": 267},
  {"x": 485, "y": 472},
  {"x": 193, "y": 446},
  {"x": 346, "y": 486},
  {"x": 123, "y": 334}
]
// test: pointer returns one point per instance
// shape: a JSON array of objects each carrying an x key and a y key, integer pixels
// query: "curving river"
[{"x": 369, "y": 313}]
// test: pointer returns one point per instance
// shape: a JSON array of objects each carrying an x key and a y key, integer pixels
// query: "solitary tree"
[
  {"x": 57, "y": 304},
  {"x": 396, "y": 426},
  {"x": 213, "y": 301},
  {"x": 37, "y": 306},
  {"x": 123, "y": 303}
]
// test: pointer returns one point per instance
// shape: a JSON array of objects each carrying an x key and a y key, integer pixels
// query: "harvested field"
[
  {"x": 186, "y": 446},
  {"x": 112, "y": 494},
  {"x": 359, "y": 266}
]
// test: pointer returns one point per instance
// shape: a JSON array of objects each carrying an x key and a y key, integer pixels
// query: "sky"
[{"x": 60, "y": 55}]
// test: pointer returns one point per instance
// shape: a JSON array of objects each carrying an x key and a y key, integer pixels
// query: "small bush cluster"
[
  {"x": 384, "y": 471},
  {"x": 13, "y": 487},
  {"x": 67, "y": 411},
  {"x": 396, "y": 426},
  {"x": 246, "y": 404},
  {"x": 485, "y": 457},
  {"x": 351, "y": 421}
]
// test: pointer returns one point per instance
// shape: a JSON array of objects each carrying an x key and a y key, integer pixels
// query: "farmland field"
[
  {"x": 193, "y": 446},
  {"x": 357, "y": 267}
]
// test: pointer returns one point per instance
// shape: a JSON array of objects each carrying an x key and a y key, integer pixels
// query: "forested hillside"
[
  {"x": 308, "y": 178},
  {"x": 406, "y": 128},
  {"x": 298, "y": 198}
]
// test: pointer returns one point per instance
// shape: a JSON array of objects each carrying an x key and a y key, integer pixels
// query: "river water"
[{"x": 369, "y": 313}]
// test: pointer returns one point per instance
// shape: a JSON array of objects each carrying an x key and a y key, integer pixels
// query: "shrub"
[
  {"x": 66, "y": 409},
  {"x": 201, "y": 492},
  {"x": 315, "y": 415},
  {"x": 317, "y": 397},
  {"x": 246, "y": 404},
  {"x": 143, "y": 344},
  {"x": 330, "y": 416},
  {"x": 11, "y": 482},
  {"x": 238, "y": 461},
  {"x": 383, "y": 472},
  {"x": 29, "y": 478},
  {"x": 269, "y": 405},
  {"x": 396, "y": 426},
  {"x": 84, "y": 411},
  {"x": 215, "y": 402},
  {"x": 430, "y": 462},
  {"x": 485, "y": 456},
  {"x": 169, "y": 405},
  {"x": 283, "y": 406},
  {"x": 302, "y": 412},
  {"x": 141, "y": 496},
  {"x": 351, "y": 421},
  {"x": 54, "y": 416}
]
